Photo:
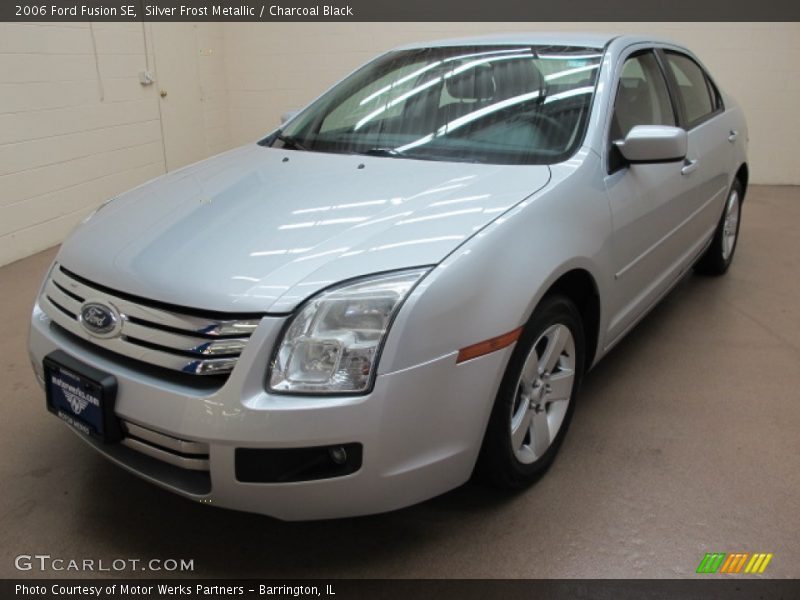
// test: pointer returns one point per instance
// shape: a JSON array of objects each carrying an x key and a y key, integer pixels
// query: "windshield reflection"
[{"x": 500, "y": 105}]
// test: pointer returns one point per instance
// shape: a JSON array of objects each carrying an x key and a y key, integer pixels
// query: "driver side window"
[
  {"x": 642, "y": 99},
  {"x": 642, "y": 96}
]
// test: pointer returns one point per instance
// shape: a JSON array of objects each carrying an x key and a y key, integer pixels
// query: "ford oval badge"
[{"x": 100, "y": 319}]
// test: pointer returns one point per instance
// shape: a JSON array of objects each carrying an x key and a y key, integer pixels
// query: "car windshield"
[{"x": 486, "y": 104}]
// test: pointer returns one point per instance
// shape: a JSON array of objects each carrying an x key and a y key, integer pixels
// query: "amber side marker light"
[{"x": 488, "y": 346}]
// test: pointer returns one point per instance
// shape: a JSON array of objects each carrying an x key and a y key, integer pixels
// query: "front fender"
[{"x": 491, "y": 284}]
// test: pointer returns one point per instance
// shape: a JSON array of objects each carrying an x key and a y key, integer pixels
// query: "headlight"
[{"x": 333, "y": 343}]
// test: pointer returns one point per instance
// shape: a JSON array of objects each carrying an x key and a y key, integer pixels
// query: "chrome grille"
[
  {"x": 149, "y": 333},
  {"x": 172, "y": 450}
]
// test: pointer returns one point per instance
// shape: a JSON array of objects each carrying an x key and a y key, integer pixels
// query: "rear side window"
[
  {"x": 642, "y": 96},
  {"x": 697, "y": 93}
]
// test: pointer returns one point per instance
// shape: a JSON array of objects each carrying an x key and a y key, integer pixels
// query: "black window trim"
[
  {"x": 672, "y": 91},
  {"x": 713, "y": 90}
]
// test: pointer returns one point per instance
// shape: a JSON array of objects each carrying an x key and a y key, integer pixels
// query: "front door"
[{"x": 645, "y": 214}]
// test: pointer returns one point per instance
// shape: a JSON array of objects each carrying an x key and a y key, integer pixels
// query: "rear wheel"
[
  {"x": 719, "y": 255},
  {"x": 536, "y": 399}
]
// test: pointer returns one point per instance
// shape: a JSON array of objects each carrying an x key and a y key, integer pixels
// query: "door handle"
[
  {"x": 689, "y": 166},
  {"x": 733, "y": 135}
]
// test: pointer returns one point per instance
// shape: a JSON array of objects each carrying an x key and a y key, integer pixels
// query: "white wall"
[
  {"x": 213, "y": 86},
  {"x": 75, "y": 131},
  {"x": 288, "y": 64}
]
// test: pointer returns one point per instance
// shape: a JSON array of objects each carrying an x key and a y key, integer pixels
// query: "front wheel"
[
  {"x": 719, "y": 255},
  {"x": 536, "y": 399}
]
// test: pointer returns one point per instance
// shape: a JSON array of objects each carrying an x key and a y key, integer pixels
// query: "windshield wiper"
[
  {"x": 380, "y": 151},
  {"x": 290, "y": 141},
  {"x": 392, "y": 153}
]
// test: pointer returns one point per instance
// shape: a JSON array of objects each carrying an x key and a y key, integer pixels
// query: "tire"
[
  {"x": 543, "y": 402},
  {"x": 719, "y": 255}
]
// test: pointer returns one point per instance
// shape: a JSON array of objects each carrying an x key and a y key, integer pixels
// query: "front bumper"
[{"x": 421, "y": 428}]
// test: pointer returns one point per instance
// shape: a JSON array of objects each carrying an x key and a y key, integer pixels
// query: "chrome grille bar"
[
  {"x": 150, "y": 314},
  {"x": 165, "y": 441},
  {"x": 175, "y": 451},
  {"x": 165, "y": 338}
]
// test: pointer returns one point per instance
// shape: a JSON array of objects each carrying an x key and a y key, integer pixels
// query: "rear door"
[{"x": 710, "y": 151}]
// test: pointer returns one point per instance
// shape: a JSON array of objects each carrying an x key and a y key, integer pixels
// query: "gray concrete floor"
[{"x": 685, "y": 442}]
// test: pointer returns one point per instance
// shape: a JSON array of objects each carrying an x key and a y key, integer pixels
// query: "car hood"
[{"x": 259, "y": 229}]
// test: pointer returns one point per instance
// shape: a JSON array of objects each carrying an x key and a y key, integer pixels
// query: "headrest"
[
  {"x": 473, "y": 84},
  {"x": 631, "y": 83},
  {"x": 516, "y": 77}
]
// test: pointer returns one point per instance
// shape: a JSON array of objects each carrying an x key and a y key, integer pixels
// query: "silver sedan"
[{"x": 403, "y": 284}]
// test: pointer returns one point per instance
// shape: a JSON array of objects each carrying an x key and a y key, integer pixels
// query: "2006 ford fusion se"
[{"x": 401, "y": 286}]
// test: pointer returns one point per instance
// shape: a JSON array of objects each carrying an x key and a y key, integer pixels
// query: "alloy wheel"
[
  {"x": 544, "y": 390},
  {"x": 730, "y": 226}
]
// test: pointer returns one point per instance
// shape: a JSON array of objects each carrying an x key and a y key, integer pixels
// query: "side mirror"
[
  {"x": 653, "y": 143},
  {"x": 289, "y": 115}
]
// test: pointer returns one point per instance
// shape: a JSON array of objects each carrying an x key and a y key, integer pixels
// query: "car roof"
[{"x": 582, "y": 39}]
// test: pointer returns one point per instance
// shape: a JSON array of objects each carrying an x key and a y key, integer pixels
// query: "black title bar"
[
  {"x": 399, "y": 10},
  {"x": 741, "y": 588}
]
